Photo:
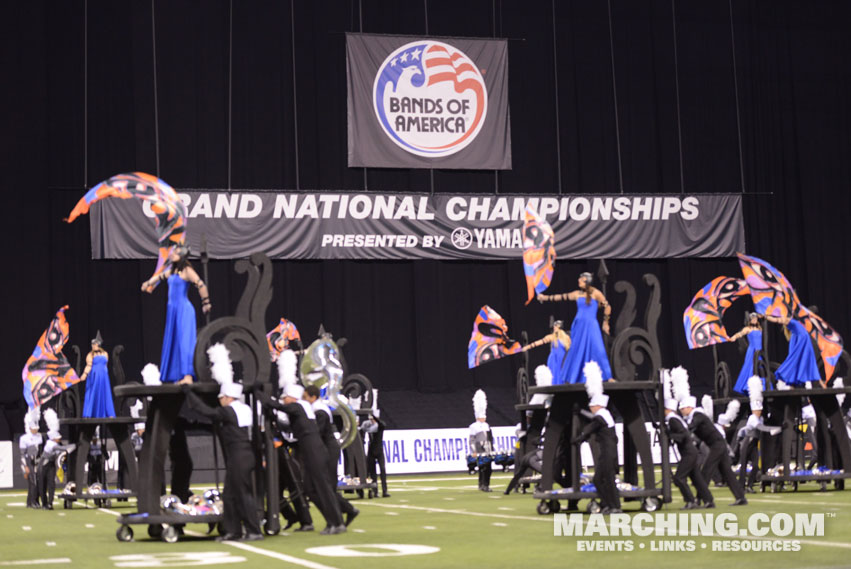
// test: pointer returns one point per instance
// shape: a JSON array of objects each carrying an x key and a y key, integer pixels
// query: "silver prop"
[{"x": 322, "y": 366}]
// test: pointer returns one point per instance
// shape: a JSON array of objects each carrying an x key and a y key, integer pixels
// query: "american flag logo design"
[{"x": 430, "y": 98}]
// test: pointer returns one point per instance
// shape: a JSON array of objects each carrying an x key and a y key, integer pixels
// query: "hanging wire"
[
  {"x": 156, "y": 101},
  {"x": 360, "y": 29},
  {"x": 615, "y": 96},
  {"x": 86, "y": 93},
  {"x": 295, "y": 95},
  {"x": 493, "y": 29},
  {"x": 736, "y": 91},
  {"x": 230, "y": 93},
  {"x": 430, "y": 170},
  {"x": 677, "y": 89},
  {"x": 558, "y": 122}
]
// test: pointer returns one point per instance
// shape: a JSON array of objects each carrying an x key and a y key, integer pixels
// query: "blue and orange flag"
[
  {"x": 702, "y": 318},
  {"x": 47, "y": 371},
  {"x": 281, "y": 336},
  {"x": 774, "y": 295},
  {"x": 539, "y": 253},
  {"x": 489, "y": 340},
  {"x": 169, "y": 211}
]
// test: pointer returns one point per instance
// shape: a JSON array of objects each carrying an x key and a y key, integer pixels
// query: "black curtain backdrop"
[{"x": 251, "y": 94}]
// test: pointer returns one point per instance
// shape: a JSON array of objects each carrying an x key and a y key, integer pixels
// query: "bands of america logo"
[{"x": 430, "y": 98}]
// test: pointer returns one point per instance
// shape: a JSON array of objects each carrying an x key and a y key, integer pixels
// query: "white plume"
[
  {"x": 732, "y": 411},
  {"x": 593, "y": 379},
  {"x": 151, "y": 374},
  {"x": 480, "y": 404},
  {"x": 708, "y": 406},
  {"x": 221, "y": 368},
  {"x": 32, "y": 418},
  {"x": 52, "y": 420},
  {"x": 679, "y": 383},
  {"x": 840, "y": 397},
  {"x": 755, "y": 391},
  {"x": 543, "y": 376},
  {"x": 287, "y": 365}
]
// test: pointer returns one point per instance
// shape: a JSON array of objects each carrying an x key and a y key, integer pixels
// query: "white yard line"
[
  {"x": 53, "y": 561},
  {"x": 459, "y": 512}
]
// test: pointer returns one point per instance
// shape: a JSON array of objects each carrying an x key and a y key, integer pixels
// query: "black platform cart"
[{"x": 564, "y": 420}]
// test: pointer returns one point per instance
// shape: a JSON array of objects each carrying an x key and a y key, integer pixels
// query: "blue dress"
[
  {"x": 180, "y": 332},
  {"x": 800, "y": 364},
  {"x": 98, "y": 398},
  {"x": 556, "y": 361},
  {"x": 587, "y": 345},
  {"x": 754, "y": 344}
]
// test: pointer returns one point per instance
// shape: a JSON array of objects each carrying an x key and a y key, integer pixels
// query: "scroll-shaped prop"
[
  {"x": 282, "y": 337},
  {"x": 358, "y": 386},
  {"x": 773, "y": 294},
  {"x": 247, "y": 349},
  {"x": 539, "y": 253},
  {"x": 323, "y": 365},
  {"x": 489, "y": 340},
  {"x": 702, "y": 318},
  {"x": 47, "y": 371},
  {"x": 169, "y": 211}
]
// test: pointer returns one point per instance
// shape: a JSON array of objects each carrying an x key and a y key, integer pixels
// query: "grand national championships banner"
[
  {"x": 373, "y": 225},
  {"x": 427, "y": 102}
]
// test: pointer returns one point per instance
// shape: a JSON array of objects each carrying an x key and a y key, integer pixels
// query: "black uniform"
[
  {"x": 313, "y": 456},
  {"x": 602, "y": 428},
  {"x": 290, "y": 477},
  {"x": 238, "y": 496},
  {"x": 687, "y": 467},
  {"x": 30, "y": 444},
  {"x": 47, "y": 472},
  {"x": 532, "y": 460},
  {"x": 325, "y": 423},
  {"x": 703, "y": 427},
  {"x": 375, "y": 454}
]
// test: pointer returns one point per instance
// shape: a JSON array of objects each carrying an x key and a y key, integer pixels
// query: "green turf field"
[{"x": 458, "y": 525}]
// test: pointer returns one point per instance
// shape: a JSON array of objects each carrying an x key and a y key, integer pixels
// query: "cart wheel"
[
  {"x": 268, "y": 530},
  {"x": 124, "y": 533},
  {"x": 155, "y": 531},
  {"x": 651, "y": 504},
  {"x": 823, "y": 486},
  {"x": 555, "y": 506},
  {"x": 543, "y": 508},
  {"x": 169, "y": 534},
  {"x": 594, "y": 507}
]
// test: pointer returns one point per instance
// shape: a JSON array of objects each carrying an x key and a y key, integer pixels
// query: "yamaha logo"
[
  {"x": 430, "y": 98},
  {"x": 461, "y": 238}
]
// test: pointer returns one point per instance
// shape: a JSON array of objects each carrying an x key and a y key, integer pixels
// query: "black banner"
[
  {"x": 339, "y": 225},
  {"x": 427, "y": 102}
]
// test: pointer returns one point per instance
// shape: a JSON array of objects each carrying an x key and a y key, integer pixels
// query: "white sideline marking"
[
  {"x": 90, "y": 526},
  {"x": 499, "y": 524},
  {"x": 37, "y": 561},
  {"x": 392, "y": 513},
  {"x": 547, "y": 519},
  {"x": 453, "y": 478},
  {"x": 429, "y": 527},
  {"x": 505, "y": 508},
  {"x": 17, "y": 504},
  {"x": 276, "y": 555},
  {"x": 26, "y": 528},
  {"x": 359, "y": 530}
]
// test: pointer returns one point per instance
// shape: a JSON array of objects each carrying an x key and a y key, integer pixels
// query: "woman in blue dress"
[
  {"x": 97, "y": 401},
  {"x": 585, "y": 331},
  {"x": 176, "y": 363},
  {"x": 559, "y": 343},
  {"x": 800, "y": 364},
  {"x": 753, "y": 331}
]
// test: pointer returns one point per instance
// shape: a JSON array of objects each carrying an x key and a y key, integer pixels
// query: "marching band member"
[
  {"x": 481, "y": 439},
  {"x": 705, "y": 430},
  {"x": 30, "y": 444},
  {"x": 602, "y": 428}
]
